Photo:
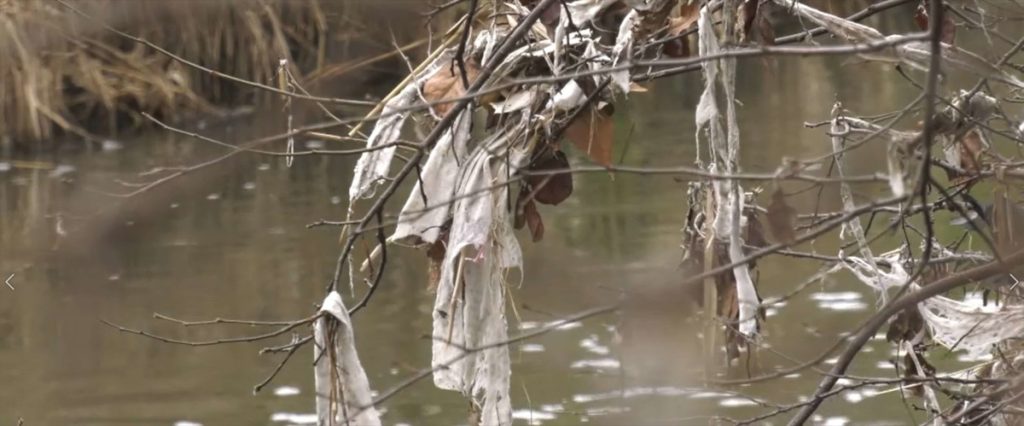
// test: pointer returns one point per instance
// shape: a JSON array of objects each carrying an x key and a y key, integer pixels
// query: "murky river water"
[{"x": 234, "y": 244}]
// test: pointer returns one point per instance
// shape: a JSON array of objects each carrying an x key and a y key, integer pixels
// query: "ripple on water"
[
  {"x": 552, "y": 408},
  {"x": 844, "y": 306},
  {"x": 846, "y": 301},
  {"x": 834, "y": 296},
  {"x": 596, "y": 364},
  {"x": 853, "y": 396},
  {"x": 591, "y": 344},
  {"x": 836, "y": 421},
  {"x": 558, "y": 325},
  {"x": 286, "y": 391},
  {"x": 294, "y": 418},
  {"x": 640, "y": 391},
  {"x": 736, "y": 402},
  {"x": 532, "y": 417},
  {"x": 531, "y": 347},
  {"x": 707, "y": 394}
]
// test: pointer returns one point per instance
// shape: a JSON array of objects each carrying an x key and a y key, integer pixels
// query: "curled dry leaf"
[
  {"x": 533, "y": 220},
  {"x": 688, "y": 15},
  {"x": 680, "y": 47},
  {"x": 966, "y": 153},
  {"x": 781, "y": 218},
  {"x": 753, "y": 23},
  {"x": 948, "y": 29},
  {"x": 905, "y": 326},
  {"x": 446, "y": 83},
  {"x": 971, "y": 147},
  {"x": 528, "y": 215},
  {"x": 592, "y": 131},
  {"x": 553, "y": 188},
  {"x": 435, "y": 257}
]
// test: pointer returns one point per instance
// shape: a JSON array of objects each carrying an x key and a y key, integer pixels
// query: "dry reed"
[{"x": 61, "y": 73}]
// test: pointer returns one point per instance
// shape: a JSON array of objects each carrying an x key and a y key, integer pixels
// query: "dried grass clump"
[{"x": 63, "y": 72}]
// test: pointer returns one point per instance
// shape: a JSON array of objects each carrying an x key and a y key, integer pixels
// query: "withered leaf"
[
  {"x": 688, "y": 15},
  {"x": 905, "y": 326},
  {"x": 592, "y": 131},
  {"x": 922, "y": 19},
  {"x": 446, "y": 83},
  {"x": 971, "y": 147},
  {"x": 781, "y": 218},
  {"x": 555, "y": 188},
  {"x": 754, "y": 235},
  {"x": 435, "y": 258},
  {"x": 533, "y": 220},
  {"x": 680, "y": 47},
  {"x": 765, "y": 29},
  {"x": 745, "y": 17},
  {"x": 519, "y": 218}
]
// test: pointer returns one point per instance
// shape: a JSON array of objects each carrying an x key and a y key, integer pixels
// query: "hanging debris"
[{"x": 343, "y": 395}]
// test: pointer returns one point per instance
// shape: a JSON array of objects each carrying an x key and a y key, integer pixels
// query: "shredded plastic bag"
[{"x": 343, "y": 394}]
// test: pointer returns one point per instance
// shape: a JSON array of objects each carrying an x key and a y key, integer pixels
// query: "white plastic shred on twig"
[
  {"x": 519, "y": 100},
  {"x": 852, "y": 226},
  {"x": 343, "y": 394},
  {"x": 373, "y": 166},
  {"x": 951, "y": 323},
  {"x": 724, "y": 153},
  {"x": 971, "y": 328},
  {"x": 868, "y": 271},
  {"x": 916, "y": 54},
  {"x": 542, "y": 48},
  {"x": 422, "y": 216},
  {"x": 896, "y": 140},
  {"x": 623, "y": 50},
  {"x": 894, "y": 162},
  {"x": 583, "y": 11},
  {"x": 931, "y": 402},
  {"x": 567, "y": 98},
  {"x": 470, "y": 312},
  {"x": 841, "y": 27}
]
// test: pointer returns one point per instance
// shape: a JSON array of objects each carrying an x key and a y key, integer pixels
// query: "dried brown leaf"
[
  {"x": 971, "y": 148},
  {"x": 905, "y": 326},
  {"x": 519, "y": 219},
  {"x": 680, "y": 47},
  {"x": 688, "y": 15},
  {"x": 922, "y": 19},
  {"x": 754, "y": 236},
  {"x": 554, "y": 188},
  {"x": 435, "y": 258},
  {"x": 781, "y": 218},
  {"x": 446, "y": 83},
  {"x": 753, "y": 23},
  {"x": 533, "y": 220},
  {"x": 592, "y": 131}
]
